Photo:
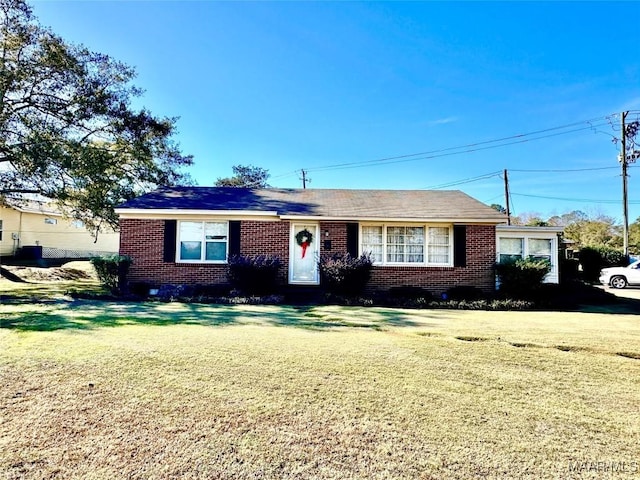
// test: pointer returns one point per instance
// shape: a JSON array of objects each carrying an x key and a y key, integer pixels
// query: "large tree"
[
  {"x": 634, "y": 237},
  {"x": 245, "y": 176},
  {"x": 596, "y": 231},
  {"x": 68, "y": 130}
]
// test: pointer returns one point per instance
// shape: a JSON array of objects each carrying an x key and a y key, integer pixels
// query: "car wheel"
[{"x": 618, "y": 282}]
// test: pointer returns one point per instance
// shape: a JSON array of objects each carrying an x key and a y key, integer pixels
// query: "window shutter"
[
  {"x": 352, "y": 239},
  {"x": 234, "y": 237},
  {"x": 170, "y": 227},
  {"x": 459, "y": 246}
]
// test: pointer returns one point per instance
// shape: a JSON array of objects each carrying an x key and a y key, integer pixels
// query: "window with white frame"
[
  {"x": 50, "y": 221},
  {"x": 407, "y": 244},
  {"x": 0, "y": 230},
  {"x": 511, "y": 249},
  {"x": 203, "y": 241}
]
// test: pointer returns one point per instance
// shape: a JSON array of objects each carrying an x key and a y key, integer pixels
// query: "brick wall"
[
  {"x": 143, "y": 241},
  {"x": 337, "y": 235},
  {"x": 267, "y": 238},
  {"x": 481, "y": 254}
]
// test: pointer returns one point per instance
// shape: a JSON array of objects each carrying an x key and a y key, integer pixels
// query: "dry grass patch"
[{"x": 188, "y": 391}]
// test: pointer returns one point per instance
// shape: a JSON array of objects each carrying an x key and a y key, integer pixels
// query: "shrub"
[
  {"x": 343, "y": 274},
  {"x": 612, "y": 257},
  {"x": 112, "y": 271},
  {"x": 594, "y": 259},
  {"x": 464, "y": 292},
  {"x": 568, "y": 270},
  {"x": 591, "y": 262},
  {"x": 254, "y": 275},
  {"x": 521, "y": 278},
  {"x": 408, "y": 292},
  {"x": 405, "y": 296}
]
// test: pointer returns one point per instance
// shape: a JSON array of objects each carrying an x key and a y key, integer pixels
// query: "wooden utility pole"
[
  {"x": 304, "y": 178},
  {"x": 506, "y": 196},
  {"x": 625, "y": 199}
]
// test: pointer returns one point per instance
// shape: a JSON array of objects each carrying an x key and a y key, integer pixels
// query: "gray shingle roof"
[{"x": 333, "y": 203}]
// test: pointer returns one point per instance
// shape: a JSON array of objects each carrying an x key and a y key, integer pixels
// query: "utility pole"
[
  {"x": 304, "y": 178},
  {"x": 625, "y": 200},
  {"x": 506, "y": 196}
]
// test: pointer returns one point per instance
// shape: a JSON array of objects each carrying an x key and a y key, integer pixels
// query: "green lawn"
[{"x": 123, "y": 390}]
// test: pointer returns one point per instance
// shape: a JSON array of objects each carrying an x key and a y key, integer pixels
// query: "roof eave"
[
  {"x": 454, "y": 220},
  {"x": 172, "y": 213},
  {"x": 129, "y": 213}
]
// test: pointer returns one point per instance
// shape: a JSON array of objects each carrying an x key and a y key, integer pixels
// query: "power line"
[
  {"x": 468, "y": 148},
  {"x": 466, "y": 180},
  {"x": 565, "y": 199},
  {"x": 559, "y": 170}
]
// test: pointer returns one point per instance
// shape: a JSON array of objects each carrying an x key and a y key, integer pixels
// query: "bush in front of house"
[
  {"x": 591, "y": 262},
  {"x": 594, "y": 259},
  {"x": 612, "y": 257},
  {"x": 112, "y": 271},
  {"x": 464, "y": 293},
  {"x": 342, "y": 274},
  {"x": 254, "y": 274},
  {"x": 521, "y": 278},
  {"x": 569, "y": 271}
]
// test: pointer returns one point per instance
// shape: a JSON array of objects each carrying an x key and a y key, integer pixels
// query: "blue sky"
[{"x": 334, "y": 87}]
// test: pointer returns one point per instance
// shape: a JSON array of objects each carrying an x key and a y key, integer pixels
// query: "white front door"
[{"x": 304, "y": 254}]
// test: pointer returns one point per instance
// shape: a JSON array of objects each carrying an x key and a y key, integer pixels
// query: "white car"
[{"x": 620, "y": 277}]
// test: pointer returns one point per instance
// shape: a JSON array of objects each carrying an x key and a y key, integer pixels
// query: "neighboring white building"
[{"x": 517, "y": 241}]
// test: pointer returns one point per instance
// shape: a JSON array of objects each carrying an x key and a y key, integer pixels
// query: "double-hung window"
[
  {"x": 203, "y": 242},
  {"x": 407, "y": 244}
]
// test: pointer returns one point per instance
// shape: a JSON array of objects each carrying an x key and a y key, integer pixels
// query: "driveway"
[{"x": 629, "y": 292}]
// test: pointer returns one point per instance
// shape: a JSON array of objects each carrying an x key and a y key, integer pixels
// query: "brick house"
[{"x": 429, "y": 239}]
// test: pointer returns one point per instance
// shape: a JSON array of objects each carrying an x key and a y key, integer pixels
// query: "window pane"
[
  {"x": 511, "y": 246},
  {"x": 540, "y": 246},
  {"x": 505, "y": 258},
  {"x": 438, "y": 254},
  {"x": 372, "y": 235},
  {"x": 216, "y": 251},
  {"x": 191, "y": 231},
  {"x": 395, "y": 253},
  {"x": 372, "y": 242},
  {"x": 439, "y": 248},
  {"x": 415, "y": 235},
  {"x": 374, "y": 250},
  {"x": 438, "y": 235},
  {"x": 215, "y": 230},
  {"x": 190, "y": 250},
  {"x": 395, "y": 235}
]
